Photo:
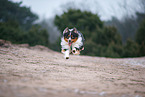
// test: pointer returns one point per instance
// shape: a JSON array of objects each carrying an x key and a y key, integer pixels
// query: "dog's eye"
[{"x": 72, "y": 37}]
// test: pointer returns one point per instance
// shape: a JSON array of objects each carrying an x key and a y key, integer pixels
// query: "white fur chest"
[
  {"x": 78, "y": 43},
  {"x": 64, "y": 44}
]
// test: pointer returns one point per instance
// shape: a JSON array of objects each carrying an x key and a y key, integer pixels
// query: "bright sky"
[{"x": 105, "y": 8}]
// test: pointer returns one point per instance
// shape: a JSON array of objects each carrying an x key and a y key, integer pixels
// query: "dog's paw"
[
  {"x": 62, "y": 51},
  {"x": 67, "y": 58},
  {"x": 66, "y": 54},
  {"x": 73, "y": 51},
  {"x": 77, "y": 52}
]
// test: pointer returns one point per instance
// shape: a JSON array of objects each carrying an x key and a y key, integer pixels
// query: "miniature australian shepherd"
[{"x": 72, "y": 41}]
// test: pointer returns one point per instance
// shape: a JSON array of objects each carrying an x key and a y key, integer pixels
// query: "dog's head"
[{"x": 70, "y": 35}]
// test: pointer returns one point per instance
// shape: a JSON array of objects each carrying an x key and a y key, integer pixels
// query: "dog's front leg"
[
  {"x": 75, "y": 51},
  {"x": 66, "y": 54}
]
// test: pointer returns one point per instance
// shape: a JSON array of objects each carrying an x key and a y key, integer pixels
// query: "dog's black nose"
[{"x": 69, "y": 40}]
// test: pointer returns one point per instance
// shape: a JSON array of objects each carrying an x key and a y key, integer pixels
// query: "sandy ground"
[{"x": 39, "y": 72}]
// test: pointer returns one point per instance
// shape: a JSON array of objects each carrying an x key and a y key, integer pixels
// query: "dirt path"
[{"x": 40, "y": 72}]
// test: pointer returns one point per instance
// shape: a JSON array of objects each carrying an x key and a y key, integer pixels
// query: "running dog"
[{"x": 72, "y": 41}]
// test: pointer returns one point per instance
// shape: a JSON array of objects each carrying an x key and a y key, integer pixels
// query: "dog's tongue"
[{"x": 69, "y": 43}]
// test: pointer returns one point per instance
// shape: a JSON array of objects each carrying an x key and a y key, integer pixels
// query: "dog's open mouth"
[{"x": 69, "y": 43}]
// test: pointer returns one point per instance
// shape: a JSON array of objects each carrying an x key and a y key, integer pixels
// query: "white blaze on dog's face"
[{"x": 70, "y": 35}]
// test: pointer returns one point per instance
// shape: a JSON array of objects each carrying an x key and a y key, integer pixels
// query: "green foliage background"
[
  {"x": 100, "y": 40},
  {"x": 140, "y": 38},
  {"x": 17, "y": 25}
]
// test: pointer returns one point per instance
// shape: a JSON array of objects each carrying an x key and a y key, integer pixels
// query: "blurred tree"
[
  {"x": 131, "y": 49},
  {"x": 36, "y": 35},
  {"x": 16, "y": 12},
  {"x": 127, "y": 28},
  {"x": 108, "y": 42},
  {"x": 107, "y": 36},
  {"x": 140, "y": 38},
  {"x": 129, "y": 24},
  {"x": 100, "y": 40},
  {"x": 17, "y": 25},
  {"x": 81, "y": 20},
  {"x": 10, "y": 31},
  {"x": 54, "y": 33}
]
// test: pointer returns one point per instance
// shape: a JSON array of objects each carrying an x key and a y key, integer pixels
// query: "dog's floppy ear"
[
  {"x": 75, "y": 30},
  {"x": 65, "y": 30}
]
